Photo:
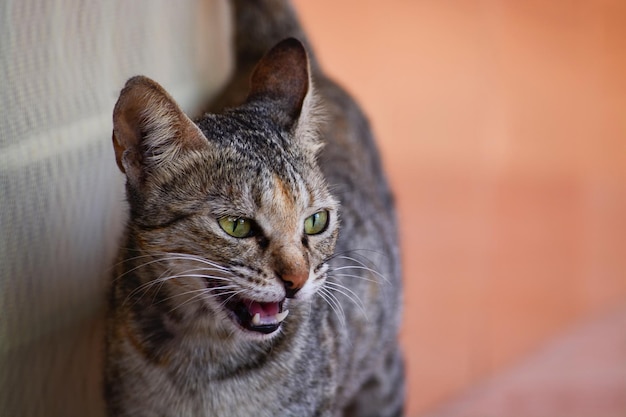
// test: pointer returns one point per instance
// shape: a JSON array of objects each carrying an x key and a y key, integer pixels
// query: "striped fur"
[{"x": 294, "y": 145}]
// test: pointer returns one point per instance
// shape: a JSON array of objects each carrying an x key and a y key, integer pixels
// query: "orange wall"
[{"x": 503, "y": 127}]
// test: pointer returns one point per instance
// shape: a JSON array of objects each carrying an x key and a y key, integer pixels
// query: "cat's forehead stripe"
[{"x": 283, "y": 196}]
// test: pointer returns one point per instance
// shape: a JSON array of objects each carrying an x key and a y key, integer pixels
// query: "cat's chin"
[{"x": 256, "y": 317}]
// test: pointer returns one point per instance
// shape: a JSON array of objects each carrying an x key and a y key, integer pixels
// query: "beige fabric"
[{"x": 62, "y": 64}]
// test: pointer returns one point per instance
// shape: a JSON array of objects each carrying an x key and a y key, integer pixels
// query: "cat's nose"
[{"x": 294, "y": 282}]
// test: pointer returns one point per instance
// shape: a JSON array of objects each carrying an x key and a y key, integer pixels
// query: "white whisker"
[
  {"x": 362, "y": 263},
  {"x": 347, "y": 293},
  {"x": 202, "y": 291},
  {"x": 361, "y": 277},
  {"x": 205, "y": 290},
  {"x": 363, "y": 268},
  {"x": 223, "y": 304},
  {"x": 332, "y": 301},
  {"x": 172, "y": 257},
  {"x": 213, "y": 277},
  {"x": 166, "y": 275}
]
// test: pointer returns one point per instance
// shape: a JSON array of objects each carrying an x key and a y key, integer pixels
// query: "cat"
[{"x": 259, "y": 273}]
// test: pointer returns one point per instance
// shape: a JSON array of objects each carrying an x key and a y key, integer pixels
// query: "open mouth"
[{"x": 257, "y": 316}]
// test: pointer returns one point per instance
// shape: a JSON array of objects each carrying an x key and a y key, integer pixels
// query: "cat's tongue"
[
  {"x": 263, "y": 309},
  {"x": 259, "y": 316}
]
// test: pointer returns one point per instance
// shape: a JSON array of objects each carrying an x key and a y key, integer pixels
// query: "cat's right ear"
[
  {"x": 149, "y": 129},
  {"x": 283, "y": 76}
]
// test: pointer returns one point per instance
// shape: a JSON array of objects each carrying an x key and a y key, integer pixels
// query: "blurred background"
[
  {"x": 502, "y": 124},
  {"x": 503, "y": 128}
]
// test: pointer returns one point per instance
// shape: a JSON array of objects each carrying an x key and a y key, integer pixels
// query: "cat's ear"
[
  {"x": 149, "y": 129},
  {"x": 283, "y": 76}
]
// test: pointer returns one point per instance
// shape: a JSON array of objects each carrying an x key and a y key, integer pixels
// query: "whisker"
[
  {"x": 214, "y": 277},
  {"x": 203, "y": 291},
  {"x": 145, "y": 254},
  {"x": 332, "y": 301},
  {"x": 338, "y": 304},
  {"x": 363, "y": 268},
  {"x": 147, "y": 286},
  {"x": 333, "y": 274},
  {"x": 160, "y": 281},
  {"x": 354, "y": 297},
  {"x": 198, "y": 259},
  {"x": 322, "y": 294},
  {"x": 223, "y": 304},
  {"x": 169, "y": 256},
  {"x": 195, "y": 297},
  {"x": 172, "y": 257},
  {"x": 356, "y": 251}
]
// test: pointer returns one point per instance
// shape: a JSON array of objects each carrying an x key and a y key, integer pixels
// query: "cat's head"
[{"x": 234, "y": 211}]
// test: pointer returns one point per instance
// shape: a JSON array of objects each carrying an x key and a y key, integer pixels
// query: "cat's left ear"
[{"x": 283, "y": 77}]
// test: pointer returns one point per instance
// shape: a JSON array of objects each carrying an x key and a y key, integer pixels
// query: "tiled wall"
[{"x": 63, "y": 64}]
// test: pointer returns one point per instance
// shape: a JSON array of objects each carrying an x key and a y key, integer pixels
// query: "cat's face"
[
  {"x": 248, "y": 223},
  {"x": 234, "y": 213}
]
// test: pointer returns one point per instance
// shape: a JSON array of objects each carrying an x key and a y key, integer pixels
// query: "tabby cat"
[{"x": 259, "y": 272}]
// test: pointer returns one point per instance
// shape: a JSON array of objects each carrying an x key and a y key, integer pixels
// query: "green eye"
[
  {"x": 316, "y": 223},
  {"x": 236, "y": 226}
]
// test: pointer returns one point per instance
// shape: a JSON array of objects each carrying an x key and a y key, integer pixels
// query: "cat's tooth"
[
  {"x": 281, "y": 316},
  {"x": 256, "y": 320}
]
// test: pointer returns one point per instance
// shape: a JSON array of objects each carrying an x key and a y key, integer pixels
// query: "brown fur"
[{"x": 181, "y": 339}]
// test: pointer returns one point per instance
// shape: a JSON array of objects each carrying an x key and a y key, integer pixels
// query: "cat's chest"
[
  {"x": 268, "y": 390},
  {"x": 281, "y": 382}
]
